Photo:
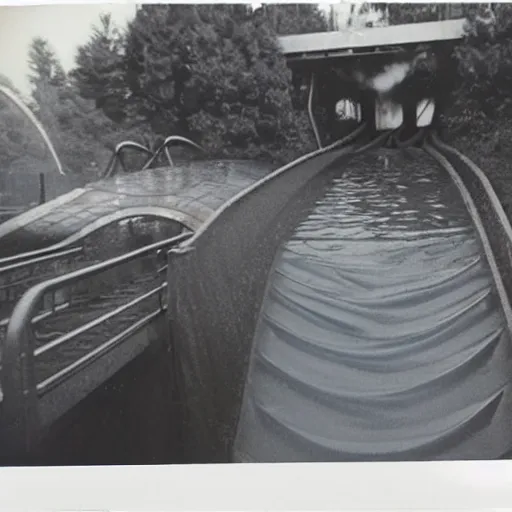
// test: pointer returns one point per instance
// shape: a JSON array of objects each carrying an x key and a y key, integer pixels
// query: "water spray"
[{"x": 29, "y": 114}]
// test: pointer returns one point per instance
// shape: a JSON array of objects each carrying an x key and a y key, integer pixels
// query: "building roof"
[{"x": 394, "y": 35}]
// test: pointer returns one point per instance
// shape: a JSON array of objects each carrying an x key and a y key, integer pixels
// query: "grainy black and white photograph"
[{"x": 255, "y": 233}]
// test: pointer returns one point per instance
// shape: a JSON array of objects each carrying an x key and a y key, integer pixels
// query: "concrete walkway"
[{"x": 188, "y": 194}]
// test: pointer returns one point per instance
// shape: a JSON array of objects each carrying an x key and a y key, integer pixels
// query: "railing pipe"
[
  {"x": 173, "y": 139},
  {"x": 117, "y": 156},
  {"x": 59, "y": 377},
  {"x": 484, "y": 180},
  {"x": 41, "y": 259},
  {"x": 310, "y": 110},
  {"x": 28, "y": 257},
  {"x": 20, "y": 418},
  {"x": 61, "y": 340}
]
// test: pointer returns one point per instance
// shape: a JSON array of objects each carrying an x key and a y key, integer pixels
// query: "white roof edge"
[{"x": 378, "y": 36}]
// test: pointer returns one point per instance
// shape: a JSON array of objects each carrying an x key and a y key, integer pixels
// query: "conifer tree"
[
  {"x": 98, "y": 72},
  {"x": 214, "y": 73},
  {"x": 82, "y": 135}
]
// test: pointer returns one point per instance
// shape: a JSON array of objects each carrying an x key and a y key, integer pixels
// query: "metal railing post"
[
  {"x": 20, "y": 417},
  {"x": 42, "y": 189}
]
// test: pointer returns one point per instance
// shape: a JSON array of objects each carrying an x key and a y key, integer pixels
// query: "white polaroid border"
[
  {"x": 348, "y": 486},
  {"x": 401, "y": 486}
]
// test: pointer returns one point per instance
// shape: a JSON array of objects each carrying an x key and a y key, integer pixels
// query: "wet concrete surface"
[{"x": 188, "y": 193}]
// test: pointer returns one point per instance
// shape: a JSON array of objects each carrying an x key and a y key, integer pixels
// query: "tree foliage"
[
  {"x": 285, "y": 19},
  {"x": 214, "y": 73},
  {"x": 403, "y": 13},
  {"x": 485, "y": 60},
  {"x": 83, "y": 136},
  {"x": 99, "y": 73},
  {"x": 43, "y": 64}
]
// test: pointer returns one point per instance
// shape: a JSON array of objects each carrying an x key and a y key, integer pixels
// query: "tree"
[
  {"x": 356, "y": 16},
  {"x": 83, "y": 136},
  {"x": 99, "y": 74},
  {"x": 43, "y": 64},
  {"x": 285, "y": 19},
  {"x": 214, "y": 73},
  {"x": 485, "y": 60}
]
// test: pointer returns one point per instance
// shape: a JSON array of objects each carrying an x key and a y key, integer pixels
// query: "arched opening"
[
  {"x": 348, "y": 110},
  {"x": 425, "y": 110},
  {"x": 389, "y": 115}
]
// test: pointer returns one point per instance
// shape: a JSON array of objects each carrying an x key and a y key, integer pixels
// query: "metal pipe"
[
  {"x": 167, "y": 142},
  {"x": 483, "y": 179},
  {"x": 310, "y": 111},
  {"x": 64, "y": 374},
  {"x": 93, "y": 323},
  {"x": 46, "y": 257},
  {"x": 117, "y": 156},
  {"x": 20, "y": 412},
  {"x": 378, "y": 141}
]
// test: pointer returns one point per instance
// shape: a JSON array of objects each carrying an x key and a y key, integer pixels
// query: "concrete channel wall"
[{"x": 216, "y": 284}]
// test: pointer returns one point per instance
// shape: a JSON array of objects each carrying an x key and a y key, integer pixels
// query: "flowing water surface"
[{"x": 381, "y": 336}]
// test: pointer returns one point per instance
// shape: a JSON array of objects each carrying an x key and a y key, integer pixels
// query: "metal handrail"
[
  {"x": 374, "y": 143},
  {"x": 164, "y": 147},
  {"x": 45, "y": 386},
  {"x": 62, "y": 375},
  {"x": 117, "y": 156},
  {"x": 55, "y": 254},
  {"x": 28, "y": 303},
  {"x": 65, "y": 338},
  {"x": 17, "y": 359},
  {"x": 32, "y": 255},
  {"x": 498, "y": 229}
]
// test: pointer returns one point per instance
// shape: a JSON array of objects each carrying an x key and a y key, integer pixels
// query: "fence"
[{"x": 38, "y": 389}]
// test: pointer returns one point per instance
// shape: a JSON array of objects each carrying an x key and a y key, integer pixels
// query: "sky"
[{"x": 64, "y": 26}]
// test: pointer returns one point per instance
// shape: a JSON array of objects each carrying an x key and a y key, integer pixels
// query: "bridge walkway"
[{"x": 188, "y": 193}]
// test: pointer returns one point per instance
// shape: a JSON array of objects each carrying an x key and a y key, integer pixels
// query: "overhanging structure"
[
  {"x": 324, "y": 45},
  {"x": 318, "y": 52}
]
